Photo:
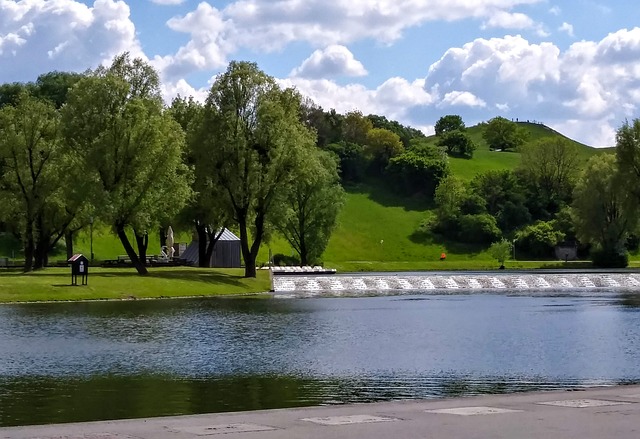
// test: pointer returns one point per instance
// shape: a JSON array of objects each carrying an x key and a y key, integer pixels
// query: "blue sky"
[{"x": 574, "y": 65}]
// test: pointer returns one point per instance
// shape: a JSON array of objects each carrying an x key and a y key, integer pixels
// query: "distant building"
[{"x": 567, "y": 251}]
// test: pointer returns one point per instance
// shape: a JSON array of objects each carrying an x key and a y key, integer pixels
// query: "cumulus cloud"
[
  {"x": 206, "y": 50},
  {"x": 590, "y": 84},
  {"x": 62, "y": 35},
  {"x": 461, "y": 98},
  {"x": 167, "y": 2},
  {"x": 334, "y": 60},
  {"x": 271, "y": 25},
  {"x": 567, "y": 28},
  {"x": 393, "y": 98}
]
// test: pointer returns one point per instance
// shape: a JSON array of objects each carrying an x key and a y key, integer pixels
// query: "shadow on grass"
[
  {"x": 421, "y": 236},
  {"x": 380, "y": 193},
  {"x": 186, "y": 274}
]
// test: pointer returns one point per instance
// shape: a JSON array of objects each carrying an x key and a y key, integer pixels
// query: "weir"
[{"x": 354, "y": 284}]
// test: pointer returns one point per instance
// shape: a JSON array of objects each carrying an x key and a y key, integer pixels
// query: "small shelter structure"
[
  {"x": 79, "y": 267},
  {"x": 226, "y": 252}
]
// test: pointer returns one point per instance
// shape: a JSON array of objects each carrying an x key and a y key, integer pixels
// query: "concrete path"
[{"x": 600, "y": 413}]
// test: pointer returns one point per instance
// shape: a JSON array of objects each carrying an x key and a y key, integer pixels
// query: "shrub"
[
  {"x": 539, "y": 239},
  {"x": 279, "y": 260},
  {"x": 478, "y": 229},
  {"x": 609, "y": 257}
]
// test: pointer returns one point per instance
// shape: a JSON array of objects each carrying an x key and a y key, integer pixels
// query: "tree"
[
  {"x": 457, "y": 143},
  {"x": 311, "y": 206},
  {"x": 501, "y": 251},
  {"x": 449, "y": 123},
  {"x": 503, "y": 134},
  {"x": 406, "y": 133},
  {"x": 204, "y": 211},
  {"x": 628, "y": 154},
  {"x": 256, "y": 139},
  {"x": 131, "y": 149},
  {"x": 414, "y": 173},
  {"x": 381, "y": 146},
  {"x": 551, "y": 166},
  {"x": 539, "y": 239},
  {"x": 54, "y": 86},
  {"x": 355, "y": 128},
  {"x": 504, "y": 196},
  {"x": 36, "y": 184},
  {"x": 449, "y": 196},
  {"x": 604, "y": 208}
]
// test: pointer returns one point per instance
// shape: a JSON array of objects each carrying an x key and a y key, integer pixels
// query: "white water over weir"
[{"x": 302, "y": 285}]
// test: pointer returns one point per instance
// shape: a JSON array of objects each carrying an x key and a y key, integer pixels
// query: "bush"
[
  {"x": 539, "y": 239},
  {"x": 478, "y": 229},
  {"x": 609, "y": 258},
  {"x": 279, "y": 260},
  {"x": 412, "y": 173}
]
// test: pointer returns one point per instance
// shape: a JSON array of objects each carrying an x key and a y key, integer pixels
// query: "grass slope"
[{"x": 486, "y": 160}]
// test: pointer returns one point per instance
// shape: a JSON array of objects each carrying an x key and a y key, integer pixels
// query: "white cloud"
[
  {"x": 167, "y": 2},
  {"x": 461, "y": 98},
  {"x": 62, "y": 35},
  {"x": 207, "y": 48},
  {"x": 393, "y": 98},
  {"x": 334, "y": 60},
  {"x": 555, "y": 10},
  {"x": 170, "y": 90},
  {"x": 568, "y": 28},
  {"x": 507, "y": 20},
  {"x": 270, "y": 25},
  {"x": 590, "y": 84}
]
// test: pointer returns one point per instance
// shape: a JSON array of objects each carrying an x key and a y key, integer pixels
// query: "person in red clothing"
[{"x": 443, "y": 256}]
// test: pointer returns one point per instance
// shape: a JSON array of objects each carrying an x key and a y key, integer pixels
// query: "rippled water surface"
[{"x": 90, "y": 361}]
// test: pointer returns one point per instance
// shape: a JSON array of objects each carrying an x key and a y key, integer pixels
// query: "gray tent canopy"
[{"x": 226, "y": 252}]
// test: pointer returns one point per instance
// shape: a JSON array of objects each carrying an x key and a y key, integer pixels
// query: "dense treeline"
[{"x": 102, "y": 146}]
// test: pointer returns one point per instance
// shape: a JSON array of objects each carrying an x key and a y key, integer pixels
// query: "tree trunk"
[
  {"x": 28, "y": 248},
  {"x": 249, "y": 259},
  {"x": 203, "y": 262},
  {"x": 68, "y": 239},
  {"x": 250, "y": 262},
  {"x": 143, "y": 243},
  {"x": 41, "y": 253},
  {"x": 213, "y": 238},
  {"x": 137, "y": 264},
  {"x": 163, "y": 236}
]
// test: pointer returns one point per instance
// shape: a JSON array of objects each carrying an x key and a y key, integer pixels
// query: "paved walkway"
[{"x": 600, "y": 413}]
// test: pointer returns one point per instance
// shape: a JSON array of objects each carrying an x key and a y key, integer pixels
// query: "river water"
[{"x": 108, "y": 360}]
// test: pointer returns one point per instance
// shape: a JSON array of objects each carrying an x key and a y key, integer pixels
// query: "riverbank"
[
  {"x": 54, "y": 284},
  {"x": 595, "y": 413}
]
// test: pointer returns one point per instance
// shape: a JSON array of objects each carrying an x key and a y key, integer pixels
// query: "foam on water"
[{"x": 315, "y": 284}]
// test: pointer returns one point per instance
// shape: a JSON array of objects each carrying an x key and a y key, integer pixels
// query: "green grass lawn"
[{"x": 54, "y": 284}]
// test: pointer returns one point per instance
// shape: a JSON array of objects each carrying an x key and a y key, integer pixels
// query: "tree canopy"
[
  {"x": 131, "y": 148},
  {"x": 503, "y": 134}
]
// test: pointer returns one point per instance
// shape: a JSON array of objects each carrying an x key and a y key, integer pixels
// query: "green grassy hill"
[{"x": 486, "y": 160}]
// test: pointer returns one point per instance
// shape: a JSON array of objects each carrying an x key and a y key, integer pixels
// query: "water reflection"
[{"x": 89, "y": 361}]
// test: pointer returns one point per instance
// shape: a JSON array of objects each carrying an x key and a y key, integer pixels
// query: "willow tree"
[
  {"x": 310, "y": 206},
  {"x": 131, "y": 149},
  {"x": 254, "y": 136},
  {"x": 205, "y": 211},
  {"x": 32, "y": 179},
  {"x": 628, "y": 155},
  {"x": 604, "y": 210}
]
